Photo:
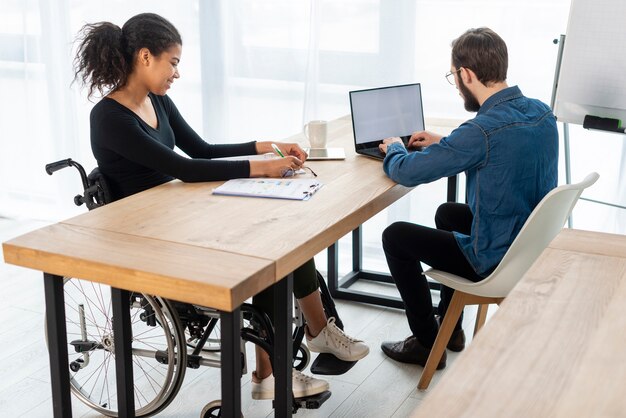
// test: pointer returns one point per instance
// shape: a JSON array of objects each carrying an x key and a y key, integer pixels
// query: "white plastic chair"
[{"x": 541, "y": 227}]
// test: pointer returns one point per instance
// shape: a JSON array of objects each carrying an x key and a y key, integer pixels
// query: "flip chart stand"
[{"x": 592, "y": 122}]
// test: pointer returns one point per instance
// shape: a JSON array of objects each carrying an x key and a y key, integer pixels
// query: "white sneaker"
[
  {"x": 302, "y": 385},
  {"x": 334, "y": 341}
]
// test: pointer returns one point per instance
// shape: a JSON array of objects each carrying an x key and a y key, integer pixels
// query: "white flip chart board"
[{"x": 592, "y": 78}]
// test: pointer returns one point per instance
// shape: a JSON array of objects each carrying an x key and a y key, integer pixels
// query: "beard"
[{"x": 469, "y": 101}]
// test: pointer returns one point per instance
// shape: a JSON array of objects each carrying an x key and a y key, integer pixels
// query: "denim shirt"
[{"x": 509, "y": 153}]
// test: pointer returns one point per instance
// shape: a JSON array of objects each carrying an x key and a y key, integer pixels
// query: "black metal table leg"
[
  {"x": 123, "y": 334},
  {"x": 283, "y": 349},
  {"x": 231, "y": 363},
  {"x": 332, "y": 270},
  {"x": 453, "y": 188},
  {"x": 340, "y": 287},
  {"x": 57, "y": 345}
]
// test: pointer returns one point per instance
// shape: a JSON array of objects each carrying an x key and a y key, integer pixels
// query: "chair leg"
[
  {"x": 481, "y": 317},
  {"x": 443, "y": 337}
]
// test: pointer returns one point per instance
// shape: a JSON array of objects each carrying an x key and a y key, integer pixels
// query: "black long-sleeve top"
[{"x": 135, "y": 157}]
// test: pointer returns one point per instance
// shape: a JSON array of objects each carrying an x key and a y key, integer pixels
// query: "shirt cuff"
[{"x": 395, "y": 148}]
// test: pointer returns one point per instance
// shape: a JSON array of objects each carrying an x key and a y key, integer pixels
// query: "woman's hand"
[
  {"x": 276, "y": 167},
  {"x": 285, "y": 147}
]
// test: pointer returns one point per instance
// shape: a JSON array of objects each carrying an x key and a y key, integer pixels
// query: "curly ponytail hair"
[{"x": 106, "y": 52}]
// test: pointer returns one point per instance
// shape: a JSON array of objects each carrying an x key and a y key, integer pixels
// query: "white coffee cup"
[{"x": 316, "y": 132}]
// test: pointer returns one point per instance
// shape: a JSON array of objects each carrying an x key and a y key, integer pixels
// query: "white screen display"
[{"x": 382, "y": 113}]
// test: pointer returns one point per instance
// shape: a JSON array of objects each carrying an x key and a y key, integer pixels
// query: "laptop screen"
[{"x": 385, "y": 112}]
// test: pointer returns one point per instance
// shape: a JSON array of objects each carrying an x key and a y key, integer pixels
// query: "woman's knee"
[{"x": 305, "y": 280}]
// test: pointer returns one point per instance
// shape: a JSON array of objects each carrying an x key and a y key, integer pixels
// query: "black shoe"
[
  {"x": 457, "y": 339},
  {"x": 410, "y": 351}
]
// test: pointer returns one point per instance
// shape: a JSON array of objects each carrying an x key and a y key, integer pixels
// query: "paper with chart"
[{"x": 292, "y": 189}]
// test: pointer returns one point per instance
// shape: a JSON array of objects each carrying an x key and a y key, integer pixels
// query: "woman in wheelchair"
[{"x": 134, "y": 130}]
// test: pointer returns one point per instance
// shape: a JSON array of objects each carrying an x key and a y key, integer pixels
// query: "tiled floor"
[{"x": 375, "y": 387}]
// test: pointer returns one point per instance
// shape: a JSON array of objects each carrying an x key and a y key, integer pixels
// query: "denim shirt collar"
[{"x": 504, "y": 95}]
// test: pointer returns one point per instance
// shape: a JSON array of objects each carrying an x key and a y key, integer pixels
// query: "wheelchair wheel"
[
  {"x": 212, "y": 410},
  {"x": 158, "y": 348},
  {"x": 301, "y": 358}
]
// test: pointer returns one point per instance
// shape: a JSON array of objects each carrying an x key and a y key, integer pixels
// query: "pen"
[{"x": 278, "y": 151}]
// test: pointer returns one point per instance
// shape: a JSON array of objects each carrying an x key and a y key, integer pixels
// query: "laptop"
[{"x": 384, "y": 112}]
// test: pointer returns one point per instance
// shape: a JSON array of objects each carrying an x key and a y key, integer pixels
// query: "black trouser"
[
  {"x": 304, "y": 283},
  {"x": 406, "y": 245}
]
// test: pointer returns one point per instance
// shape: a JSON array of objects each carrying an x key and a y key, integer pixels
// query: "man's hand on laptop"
[
  {"x": 424, "y": 139},
  {"x": 387, "y": 141}
]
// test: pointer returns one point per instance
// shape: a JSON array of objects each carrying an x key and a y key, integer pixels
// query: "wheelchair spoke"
[
  {"x": 108, "y": 309},
  {"x": 92, "y": 303},
  {"x": 149, "y": 337},
  {"x": 137, "y": 393},
  {"x": 100, "y": 297},
  {"x": 151, "y": 346},
  {"x": 106, "y": 359},
  {"x": 133, "y": 317},
  {"x": 148, "y": 377},
  {"x": 136, "y": 337},
  {"x": 151, "y": 366},
  {"x": 106, "y": 385},
  {"x": 101, "y": 368}
]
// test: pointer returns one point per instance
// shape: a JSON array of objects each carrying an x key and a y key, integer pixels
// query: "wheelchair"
[{"x": 168, "y": 336}]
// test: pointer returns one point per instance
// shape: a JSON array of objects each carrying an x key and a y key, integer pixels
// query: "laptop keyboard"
[
  {"x": 373, "y": 152},
  {"x": 377, "y": 153}
]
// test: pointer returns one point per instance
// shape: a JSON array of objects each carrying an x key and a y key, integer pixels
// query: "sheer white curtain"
[
  {"x": 272, "y": 65},
  {"x": 258, "y": 70},
  {"x": 37, "y": 108}
]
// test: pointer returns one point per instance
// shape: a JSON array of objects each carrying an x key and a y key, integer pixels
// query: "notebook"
[
  {"x": 292, "y": 189},
  {"x": 384, "y": 112}
]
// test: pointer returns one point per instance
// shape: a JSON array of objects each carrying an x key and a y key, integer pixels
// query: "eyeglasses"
[
  {"x": 291, "y": 172},
  {"x": 450, "y": 76},
  {"x": 310, "y": 169}
]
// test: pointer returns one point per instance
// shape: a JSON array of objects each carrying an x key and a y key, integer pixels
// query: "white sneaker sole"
[
  {"x": 301, "y": 394},
  {"x": 340, "y": 356}
]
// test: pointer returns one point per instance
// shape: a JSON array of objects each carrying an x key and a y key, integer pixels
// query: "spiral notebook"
[{"x": 292, "y": 189}]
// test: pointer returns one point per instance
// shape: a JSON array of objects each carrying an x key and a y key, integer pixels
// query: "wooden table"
[
  {"x": 555, "y": 348},
  {"x": 181, "y": 242}
]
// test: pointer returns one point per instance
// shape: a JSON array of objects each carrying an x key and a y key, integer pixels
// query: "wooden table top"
[
  {"x": 180, "y": 241},
  {"x": 287, "y": 232},
  {"x": 556, "y": 345},
  {"x": 177, "y": 271}
]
